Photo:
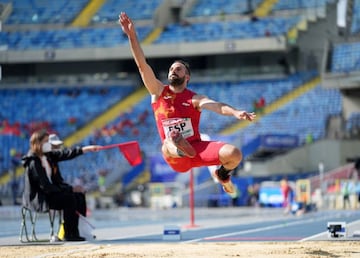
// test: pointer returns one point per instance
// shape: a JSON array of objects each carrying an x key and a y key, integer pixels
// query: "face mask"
[{"x": 46, "y": 147}]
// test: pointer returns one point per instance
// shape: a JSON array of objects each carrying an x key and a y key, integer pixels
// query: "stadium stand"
[
  {"x": 355, "y": 25},
  {"x": 138, "y": 124},
  {"x": 213, "y": 31},
  {"x": 41, "y": 12},
  {"x": 214, "y": 8},
  {"x": 295, "y": 4},
  {"x": 111, "y": 7},
  {"x": 346, "y": 57},
  {"x": 297, "y": 117},
  {"x": 74, "y": 107},
  {"x": 60, "y": 110},
  {"x": 206, "y": 21},
  {"x": 67, "y": 38}
]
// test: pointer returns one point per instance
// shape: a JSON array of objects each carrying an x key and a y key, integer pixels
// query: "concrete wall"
[
  {"x": 311, "y": 43},
  {"x": 153, "y": 51},
  {"x": 172, "y": 11},
  {"x": 350, "y": 104}
]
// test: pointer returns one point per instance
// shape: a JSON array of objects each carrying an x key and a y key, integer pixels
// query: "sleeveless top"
[{"x": 177, "y": 106}]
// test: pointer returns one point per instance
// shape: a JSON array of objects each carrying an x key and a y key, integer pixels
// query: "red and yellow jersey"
[{"x": 177, "y": 107}]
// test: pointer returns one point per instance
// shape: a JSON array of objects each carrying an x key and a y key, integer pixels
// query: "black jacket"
[{"x": 37, "y": 185}]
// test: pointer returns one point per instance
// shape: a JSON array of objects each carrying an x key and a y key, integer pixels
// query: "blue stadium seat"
[
  {"x": 345, "y": 57},
  {"x": 355, "y": 26},
  {"x": 63, "y": 110},
  {"x": 68, "y": 38},
  {"x": 212, "y": 31},
  {"x": 217, "y": 7},
  {"x": 299, "y": 4},
  {"x": 137, "y": 10},
  {"x": 297, "y": 117},
  {"x": 44, "y": 12}
]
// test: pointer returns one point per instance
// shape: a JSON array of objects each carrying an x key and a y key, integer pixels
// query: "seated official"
[{"x": 45, "y": 185}]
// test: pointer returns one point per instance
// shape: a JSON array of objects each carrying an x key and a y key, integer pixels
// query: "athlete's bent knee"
[
  {"x": 230, "y": 154},
  {"x": 237, "y": 154}
]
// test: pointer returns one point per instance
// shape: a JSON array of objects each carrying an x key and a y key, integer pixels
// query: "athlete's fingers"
[{"x": 250, "y": 116}]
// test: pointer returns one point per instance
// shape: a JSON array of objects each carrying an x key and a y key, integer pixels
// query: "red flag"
[{"x": 131, "y": 151}]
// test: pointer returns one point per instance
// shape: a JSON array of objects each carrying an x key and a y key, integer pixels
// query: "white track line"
[{"x": 285, "y": 224}]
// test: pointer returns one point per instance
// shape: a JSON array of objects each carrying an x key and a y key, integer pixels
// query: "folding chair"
[
  {"x": 30, "y": 214},
  {"x": 32, "y": 218}
]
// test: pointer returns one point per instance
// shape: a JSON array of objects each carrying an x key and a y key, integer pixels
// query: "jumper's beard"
[{"x": 176, "y": 81}]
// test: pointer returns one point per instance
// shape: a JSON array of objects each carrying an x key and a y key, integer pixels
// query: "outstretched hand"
[
  {"x": 246, "y": 115},
  {"x": 126, "y": 24},
  {"x": 91, "y": 148}
]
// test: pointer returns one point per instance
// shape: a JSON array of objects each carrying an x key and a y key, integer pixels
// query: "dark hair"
[{"x": 186, "y": 64}]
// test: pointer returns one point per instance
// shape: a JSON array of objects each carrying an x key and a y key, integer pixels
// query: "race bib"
[{"x": 183, "y": 125}]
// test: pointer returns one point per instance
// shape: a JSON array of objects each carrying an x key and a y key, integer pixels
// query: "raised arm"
[
  {"x": 203, "y": 102},
  {"x": 153, "y": 85}
]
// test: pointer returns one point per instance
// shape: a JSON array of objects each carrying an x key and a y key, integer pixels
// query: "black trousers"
[
  {"x": 70, "y": 203},
  {"x": 81, "y": 203}
]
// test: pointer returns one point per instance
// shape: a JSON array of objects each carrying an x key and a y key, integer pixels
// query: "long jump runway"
[
  {"x": 269, "y": 227},
  {"x": 235, "y": 224}
]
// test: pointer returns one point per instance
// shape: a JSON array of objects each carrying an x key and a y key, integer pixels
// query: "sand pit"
[{"x": 313, "y": 249}]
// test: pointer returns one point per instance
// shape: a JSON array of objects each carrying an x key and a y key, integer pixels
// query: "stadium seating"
[
  {"x": 346, "y": 57},
  {"x": 299, "y": 4},
  {"x": 61, "y": 110},
  {"x": 355, "y": 26},
  {"x": 113, "y": 36},
  {"x": 137, "y": 10},
  {"x": 218, "y": 7},
  {"x": 299, "y": 117},
  {"x": 103, "y": 36},
  {"x": 212, "y": 31},
  {"x": 71, "y": 106},
  {"x": 68, "y": 38},
  {"x": 44, "y": 12},
  {"x": 244, "y": 94},
  {"x": 9, "y": 142},
  {"x": 139, "y": 124},
  {"x": 236, "y": 93}
]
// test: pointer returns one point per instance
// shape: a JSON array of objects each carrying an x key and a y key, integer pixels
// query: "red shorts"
[{"x": 207, "y": 154}]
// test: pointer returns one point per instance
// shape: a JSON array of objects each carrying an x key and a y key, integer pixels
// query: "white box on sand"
[{"x": 171, "y": 232}]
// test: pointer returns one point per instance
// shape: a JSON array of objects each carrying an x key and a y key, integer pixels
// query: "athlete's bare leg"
[{"x": 230, "y": 158}]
